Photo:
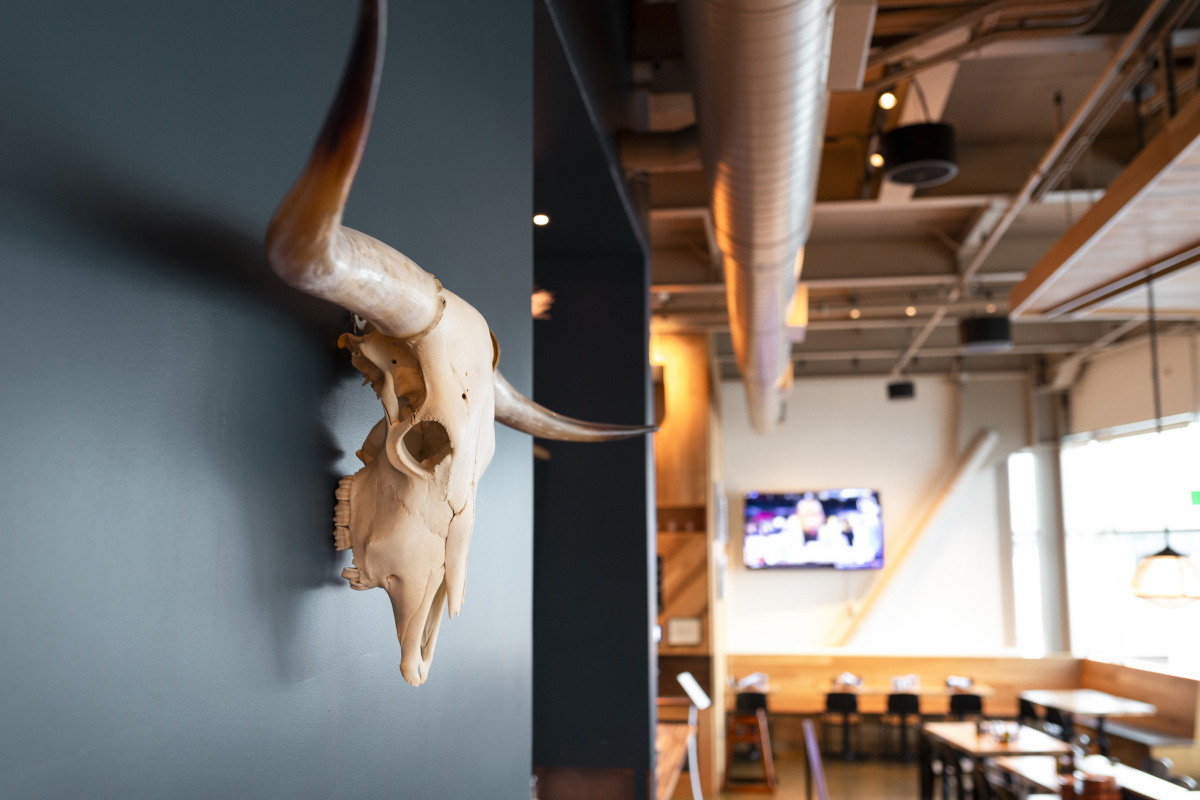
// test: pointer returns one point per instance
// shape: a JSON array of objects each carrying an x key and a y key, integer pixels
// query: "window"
[
  {"x": 1118, "y": 496},
  {"x": 1026, "y": 554}
]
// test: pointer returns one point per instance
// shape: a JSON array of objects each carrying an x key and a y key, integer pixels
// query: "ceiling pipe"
[{"x": 759, "y": 70}]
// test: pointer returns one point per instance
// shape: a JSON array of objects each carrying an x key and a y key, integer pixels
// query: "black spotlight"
[
  {"x": 985, "y": 334},
  {"x": 902, "y": 390},
  {"x": 920, "y": 155}
]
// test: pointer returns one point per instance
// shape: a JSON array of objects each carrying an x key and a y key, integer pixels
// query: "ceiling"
[{"x": 882, "y": 259}]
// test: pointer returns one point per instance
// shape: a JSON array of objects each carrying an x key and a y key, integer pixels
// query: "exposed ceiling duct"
[{"x": 759, "y": 71}]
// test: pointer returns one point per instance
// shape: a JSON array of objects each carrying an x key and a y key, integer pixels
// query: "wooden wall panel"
[
  {"x": 681, "y": 445},
  {"x": 799, "y": 683},
  {"x": 684, "y": 586},
  {"x": 1176, "y": 698},
  {"x": 670, "y": 666},
  {"x": 683, "y": 471}
]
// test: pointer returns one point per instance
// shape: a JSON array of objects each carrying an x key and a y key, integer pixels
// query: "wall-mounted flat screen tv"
[{"x": 836, "y": 528}]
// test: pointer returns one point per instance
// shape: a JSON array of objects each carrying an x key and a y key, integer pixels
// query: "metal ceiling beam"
[
  {"x": 1069, "y": 368},
  {"x": 886, "y": 354},
  {"x": 851, "y": 283},
  {"x": 938, "y": 202},
  {"x": 1115, "y": 65}
]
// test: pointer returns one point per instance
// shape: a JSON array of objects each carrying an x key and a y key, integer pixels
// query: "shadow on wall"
[
  {"x": 65, "y": 183},
  {"x": 185, "y": 297}
]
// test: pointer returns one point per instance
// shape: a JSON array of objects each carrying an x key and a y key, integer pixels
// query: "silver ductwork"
[{"x": 759, "y": 71}]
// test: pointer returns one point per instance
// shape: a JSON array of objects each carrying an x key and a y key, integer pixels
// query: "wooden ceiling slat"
[{"x": 1150, "y": 213}]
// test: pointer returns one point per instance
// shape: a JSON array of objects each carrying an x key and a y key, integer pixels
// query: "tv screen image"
[{"x": 838, "y": 528}]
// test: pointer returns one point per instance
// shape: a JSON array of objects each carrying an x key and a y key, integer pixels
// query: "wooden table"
[
  {"x": 963, "y": 739},
  {"x": 1092, "y": 703},
  {"x": 1040, "y": 773},
  {"x": 670, "y": 747}
]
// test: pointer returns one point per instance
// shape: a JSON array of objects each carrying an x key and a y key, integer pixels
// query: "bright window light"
[
  {"x": 1026, "y": 554},
  {"x": 1118, "y": 496}
]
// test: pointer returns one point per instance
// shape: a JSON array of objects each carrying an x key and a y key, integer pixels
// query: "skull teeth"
[
  {"x": 352, "y": 574},
  {"x": 341, "y": 513}
]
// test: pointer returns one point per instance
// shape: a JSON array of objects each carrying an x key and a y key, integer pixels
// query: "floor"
[{"x": 854, "y": 780}]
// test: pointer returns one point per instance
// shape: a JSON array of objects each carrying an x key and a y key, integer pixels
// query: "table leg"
[
  {"x": 1101, "y": 736},
  {"x": 904, "y": 736},
  {"x": 958, "y": 774},
  {"x": 847, "y": 753},
  {"x": 925, "y": 766}
]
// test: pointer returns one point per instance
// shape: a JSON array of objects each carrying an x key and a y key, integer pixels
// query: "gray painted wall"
[{"x": 174, "y": 420}]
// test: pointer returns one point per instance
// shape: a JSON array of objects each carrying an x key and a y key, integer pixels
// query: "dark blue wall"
[{"x": 174, "y": 420}]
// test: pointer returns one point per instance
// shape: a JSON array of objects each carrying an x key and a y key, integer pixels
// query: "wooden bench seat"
[{"x": 1146, "y": 736}]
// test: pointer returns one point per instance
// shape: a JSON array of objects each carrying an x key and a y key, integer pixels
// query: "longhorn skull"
[{"x": 431, "y": 359}]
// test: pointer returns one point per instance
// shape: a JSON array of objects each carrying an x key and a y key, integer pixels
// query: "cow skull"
[{"x": 431, "y": 359}]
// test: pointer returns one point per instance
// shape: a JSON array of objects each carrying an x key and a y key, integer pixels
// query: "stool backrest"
[
  {"x": 842, "y": 702},
  {"x": 961, "y": 704},
  {"x": 903, "y": 703},
  {"x": 750, "y": 701}
]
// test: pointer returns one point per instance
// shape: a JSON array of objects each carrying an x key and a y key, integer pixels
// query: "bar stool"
[
  {"x": 965, "y": 705},
  {"x": 1060, "y": 724},
  {"x": 903, "y": 709},
  {"x": 748, "y": 725},
  {"x": 1027, "y": 713},
  {"x": 841, "y": 708}
]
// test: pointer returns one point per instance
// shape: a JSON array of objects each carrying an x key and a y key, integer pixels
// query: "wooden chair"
[{"x": 748, "y": 725}]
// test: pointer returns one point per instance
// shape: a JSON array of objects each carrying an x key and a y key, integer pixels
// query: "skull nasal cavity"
[{"x": 428, "y": 442}]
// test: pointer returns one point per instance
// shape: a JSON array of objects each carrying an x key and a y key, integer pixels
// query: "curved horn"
[
  {"x": 306, "y": 243},
  {"x": 517, "y": 411}
]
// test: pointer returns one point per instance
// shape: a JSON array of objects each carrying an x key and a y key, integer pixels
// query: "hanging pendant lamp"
[{"x": 1167, "y": 578}]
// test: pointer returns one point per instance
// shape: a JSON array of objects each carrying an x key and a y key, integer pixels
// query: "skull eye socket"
[{"x": 428, "y": 442}]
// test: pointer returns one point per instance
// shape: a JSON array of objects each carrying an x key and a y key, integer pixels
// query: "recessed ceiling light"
[
  {"x": 541, "y": 219},
  {"x": 876, "y": 160},
  {"x": 887, "y": 101},
  {"x": 855, "y": 313},
  {"x": 911, "y": 311}
]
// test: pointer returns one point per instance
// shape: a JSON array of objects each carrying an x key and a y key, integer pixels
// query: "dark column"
[{"x": 593, "y": 655}]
